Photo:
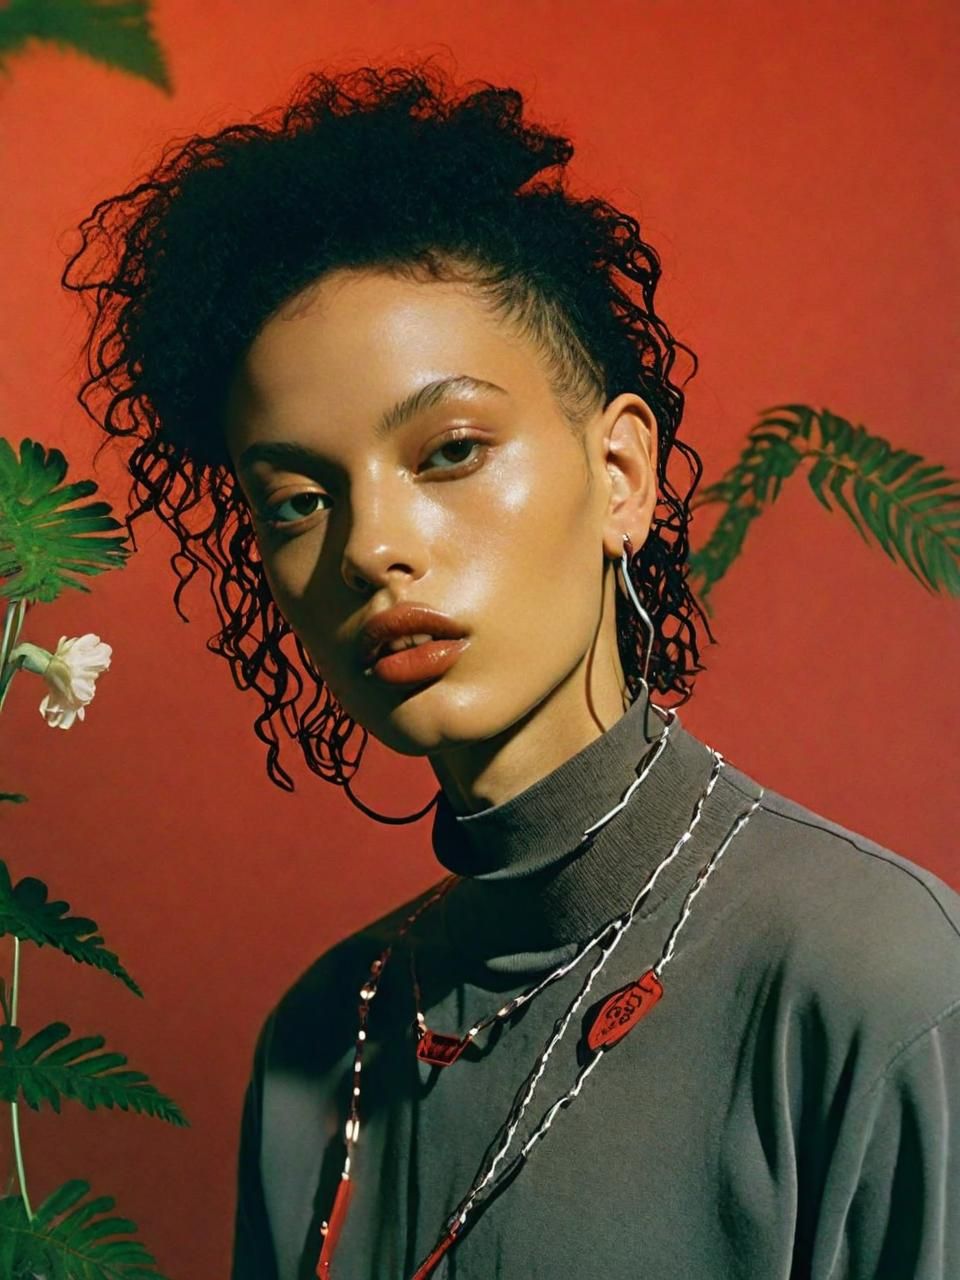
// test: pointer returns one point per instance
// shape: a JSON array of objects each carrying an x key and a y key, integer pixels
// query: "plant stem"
[
  {"x": 12, "y": 623},
  {"x": 14, "y": 1113}
]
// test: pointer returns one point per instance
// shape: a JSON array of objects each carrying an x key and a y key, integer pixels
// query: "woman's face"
[{"x": 482, "y": 504}]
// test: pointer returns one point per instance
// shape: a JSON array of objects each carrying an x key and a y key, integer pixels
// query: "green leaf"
[
  {"x": 875, "y": 455},
  {"x": 903, "y": 546},
  {"x": 73, "y": 1247},
  {"x": 799, "y": 420},
  {"x": 938, "y": 502},
  {"x": 26, "y": 914},
  {"x": 908, "y": 488},
  {"x": 15, "y": 797},
  {"x": 916, "y": 539},
  {"x": 115, "y": 32},
  {"x": 921, "y": 473},
  {"x": 949, "y": 568},
  {"x": 837, "y": 481},
  {"x": 40, "y": 1073},
  {"x": 835, "y": 431},
  {"x": 884, "y": 514},
  {"x": 822, "y": 469},
  {"x": 900, "y": 461},
  {"x": 43, "y": 544},
  {"x": 712, "y": 561},
  {"x": 768, "y": 458},
  {"x": 912, "y": 511},
  {"x": 859, "y": 444},
  {"x": 874, "y": 521}
]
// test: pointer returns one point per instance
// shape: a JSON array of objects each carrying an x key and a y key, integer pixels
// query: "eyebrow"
[{"x": 425, "y": 397}]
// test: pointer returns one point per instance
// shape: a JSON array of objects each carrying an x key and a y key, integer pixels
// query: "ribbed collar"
[{"x": 529, "y": 891}]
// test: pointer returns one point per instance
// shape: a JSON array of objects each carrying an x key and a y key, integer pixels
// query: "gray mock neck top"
[
  {"x": 531, "y": 892},
  {"x": 789, "y": 1108}
]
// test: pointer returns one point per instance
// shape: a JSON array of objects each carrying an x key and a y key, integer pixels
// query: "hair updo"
[{"x": 388, "y": 168}]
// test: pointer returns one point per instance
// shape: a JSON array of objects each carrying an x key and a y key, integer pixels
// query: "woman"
[{"x": 657, "y": 1020}]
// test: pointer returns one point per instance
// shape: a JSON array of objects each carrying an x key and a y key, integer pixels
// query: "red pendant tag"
[
  {"x": 623, "y": 1010},
  {"x": 439, "y": 1050},
  {"x": 430, "y": 1264},
  {"x": 338, "y": 1214}
]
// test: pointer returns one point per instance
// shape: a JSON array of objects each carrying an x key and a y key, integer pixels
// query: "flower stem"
[
  {"x": 14, "y": 1113},
  {"x": 12, "y": 623}
]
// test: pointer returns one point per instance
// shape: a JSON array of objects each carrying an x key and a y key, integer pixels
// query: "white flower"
[{"x": 70, "y": 673}]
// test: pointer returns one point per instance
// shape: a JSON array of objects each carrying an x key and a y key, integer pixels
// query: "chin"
[{"x": 433, "y": 717}]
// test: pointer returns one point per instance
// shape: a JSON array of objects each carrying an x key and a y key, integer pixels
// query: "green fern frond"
[
  {"x": 912, "y": 511},
  {"x": 29, "y": 1069},
  {"x": 41, "y": 542},
  {"x": 73, "y": 1247},
  {"x": 117, "y": 33},
  {"x": 26, "y": 914}
]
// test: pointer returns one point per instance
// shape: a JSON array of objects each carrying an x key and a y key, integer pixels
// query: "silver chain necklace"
[
  {"x": 441, "y": 1050},
  {"x": 617, "y": 1015}
]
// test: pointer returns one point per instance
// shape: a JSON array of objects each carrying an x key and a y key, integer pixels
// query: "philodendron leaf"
[
  {"x": 45, "y": 543},
  {"x": 25, "y": 913},
  {"x": 115, "y": 32},
  {"x": 911, "y": 512},
  {"x": 40, "y": 1073},
  {"x": 74, "y": 1246}
]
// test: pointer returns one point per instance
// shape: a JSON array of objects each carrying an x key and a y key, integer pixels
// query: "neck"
[
  {"x": 479, "y": 775},
  {"x": 581, "y": 708},
  {"x": 530, "y": 886}
]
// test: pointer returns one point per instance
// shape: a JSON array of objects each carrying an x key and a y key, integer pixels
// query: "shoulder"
[
  {"x": 315, "y": 1018},
  {"x": 865, "y": 932}
]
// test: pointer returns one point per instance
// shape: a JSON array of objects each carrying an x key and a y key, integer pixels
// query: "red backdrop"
[{"x": 792, "y": 164}]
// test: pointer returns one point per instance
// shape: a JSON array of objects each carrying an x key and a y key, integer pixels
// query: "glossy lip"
[
  {"x": 425, "y": 661},
  {"x": 407, "y": 619}
]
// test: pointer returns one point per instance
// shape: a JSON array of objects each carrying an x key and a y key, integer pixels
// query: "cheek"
[
  {"x": 281, "y": 588},
  {"x": 534, "y": 498},
  {"x": 287, "y": 583},
  {"x": 537, "y": 561}
]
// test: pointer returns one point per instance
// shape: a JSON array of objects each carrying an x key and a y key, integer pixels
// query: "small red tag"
[
  {"x": 338, "y": 1214},
  {"x": 439, "y": 1050},
  {"x": 624, "y": 1009},
  {"x": 430, "y": 1264}
]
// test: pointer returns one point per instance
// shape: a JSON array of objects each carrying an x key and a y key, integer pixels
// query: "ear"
[{"x": 629, "y": 444}]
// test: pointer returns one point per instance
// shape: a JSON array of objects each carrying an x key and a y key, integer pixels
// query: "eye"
[
  {"x": 459, "y": 442},
  {"x": 460, "y": 446},
  {"x": 269, "y": 514}
]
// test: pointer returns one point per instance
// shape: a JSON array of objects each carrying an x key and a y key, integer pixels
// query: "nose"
[{"x": 383, "y": 539}]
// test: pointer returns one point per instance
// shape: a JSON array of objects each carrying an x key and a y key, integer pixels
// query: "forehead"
[{"x": 356, "y": 340}]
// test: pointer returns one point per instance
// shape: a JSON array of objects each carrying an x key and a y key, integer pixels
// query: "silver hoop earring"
[
  {"x": 648, "y": 623},
  {"x": 380, "y": 817}
]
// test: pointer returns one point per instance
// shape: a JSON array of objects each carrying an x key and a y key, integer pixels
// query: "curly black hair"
[{"x": 390, "y": 168}]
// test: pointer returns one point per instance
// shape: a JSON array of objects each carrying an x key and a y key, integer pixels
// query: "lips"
[
  {"x": 426, "y": 661},
  {"x": 408, "y": 619}
]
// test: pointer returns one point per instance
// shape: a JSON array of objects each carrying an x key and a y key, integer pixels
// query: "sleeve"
[
  {"x": 254, "y": 1257},
  {"x": 894, "y": 1208}
]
